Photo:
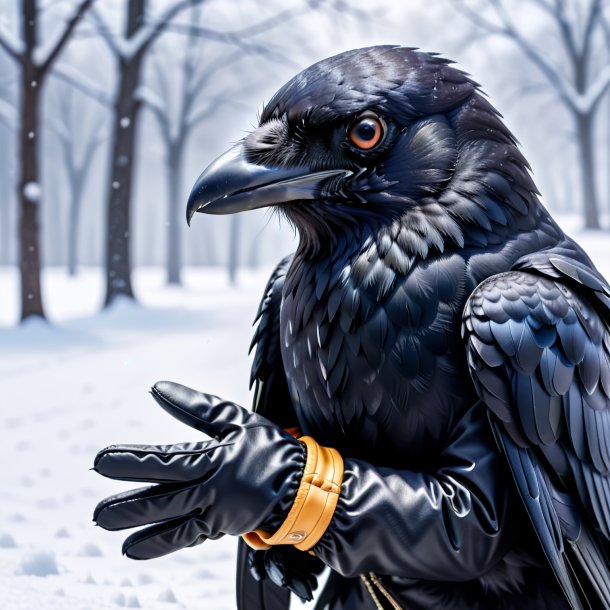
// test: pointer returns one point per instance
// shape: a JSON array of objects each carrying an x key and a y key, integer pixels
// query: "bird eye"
[{"x": 366, "y": 132}]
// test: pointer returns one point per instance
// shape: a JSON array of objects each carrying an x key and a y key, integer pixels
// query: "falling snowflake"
[{"x": 32, "y": 191}]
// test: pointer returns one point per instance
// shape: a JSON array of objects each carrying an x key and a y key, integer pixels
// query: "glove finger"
[
  {"x": 164, "y": 538},
  {"x": 256, "y": 564},
  {"x": 301, "y": 583},
  {"x": 205, "y": 412},
  {"x": 150, "y": 505},
  {"x": 156, "y": 463}
]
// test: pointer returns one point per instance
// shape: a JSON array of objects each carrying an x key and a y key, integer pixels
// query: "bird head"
[{"x": 388, "y": 138}]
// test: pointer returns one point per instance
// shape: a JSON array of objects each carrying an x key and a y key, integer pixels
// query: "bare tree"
[
  {"x": 233, "y": 260},
  {"x": 77, "y": 155},
  {"x": 580, "y": 88},
  {"x": 178, "y": 114},
  {"x": 34, "y": 62},
  {"x": 130, "y": 51},
  {"x": 605, "y": 24},
  {"x": 8, "y": 126}
]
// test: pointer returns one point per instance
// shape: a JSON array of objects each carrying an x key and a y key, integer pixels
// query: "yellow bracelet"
[{"x": 314, "y": 504}]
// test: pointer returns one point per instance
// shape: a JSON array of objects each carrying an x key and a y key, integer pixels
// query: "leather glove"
[
  {"x": 242, "y": 479},
  {"x": 287, "y": 567}
]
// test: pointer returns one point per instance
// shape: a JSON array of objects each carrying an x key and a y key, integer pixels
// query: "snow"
[
  {"x": 43, "y": 51},
  {"x": 149, "y": 97},
  {"x": 70, "y": 388},
  {"x": 7, "y": 113},
  {"x": 14, "y": 45},
  {"x": 85, "y": 85},
  {"x": 585, "y": 102},
  {"x": 7, "y": 542},
  {"x": 127, "y": 49},
  {"x": 39, "y": 564},
  {"x": 32, "y": 191}
]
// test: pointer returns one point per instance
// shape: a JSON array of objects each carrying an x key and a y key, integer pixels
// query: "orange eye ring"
[{"x": 366, "y": 131}]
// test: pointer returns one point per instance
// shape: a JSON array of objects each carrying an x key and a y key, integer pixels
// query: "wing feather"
[
  {"x": 272, "y": 399},
  {"x": 271, "y": 395},
  {"x": 538, "y": 347}
]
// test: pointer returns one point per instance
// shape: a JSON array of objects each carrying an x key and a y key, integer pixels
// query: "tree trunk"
[
  {"x": 233, "y": 261},
  {"x": 118, "y": 263},
  {"x": 210, "y": 253},
  {"x": 76, "y": 188},
  {"x": 175, "y": 215},
  {"x": 53, "y": 216},
  {"x": 253, "y": 259},
  {"x": 6, "y": 200},
  {"x": 28, "y": 194},
  {"x": 587, "y": 170}
]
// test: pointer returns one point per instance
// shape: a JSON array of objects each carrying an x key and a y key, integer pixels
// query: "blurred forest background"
[{"x": 110, "y": 109}]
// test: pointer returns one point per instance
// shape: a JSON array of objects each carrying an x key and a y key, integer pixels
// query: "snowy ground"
[{"x": 69, "y": 389}]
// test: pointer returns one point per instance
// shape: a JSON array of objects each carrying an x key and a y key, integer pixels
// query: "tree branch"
[
  {"x": 557, "y": 13},
  {"x": 233, "y": 39},
  {"x": 45, "y": 59},
  {"x": 78, "y": 81},
  {"x": 127, "y": 49},
  {"x": 477, "y": 19},
  {"x": 11, "y": 44},
  {"x": 565, "y": 90},
  {"x": 200, "y": 82},
  {"x": 208, "y": 109},
  {"x": 92, "y": 144},
  {"x": 8, "y": 114},
  {"x": 270, "y": 22},
  {"x": 588, "y": 101},
  {"x": 158, "y": 107},
  {"x": 594, "y": 12},
  {"x": 103, "y": 28},
  {"x": 605, "y": 29}
]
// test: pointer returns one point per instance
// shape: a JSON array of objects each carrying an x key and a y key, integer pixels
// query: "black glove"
[
  {"x": 287, "y": 567},
  {"x": 245, "y": 478}
]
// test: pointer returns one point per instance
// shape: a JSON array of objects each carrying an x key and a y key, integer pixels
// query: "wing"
[
  {"x": 271, "y": 399},
  {"x": 271, "y": 395},
  {"x": 538, "y": 348}
]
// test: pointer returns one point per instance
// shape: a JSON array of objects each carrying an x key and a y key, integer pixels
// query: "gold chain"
[
  {"x": 369, "y": 588},
  {"x": 395, "y": 605}
]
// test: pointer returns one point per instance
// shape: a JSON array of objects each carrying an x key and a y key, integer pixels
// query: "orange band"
[{"x": 314, "y": 504}]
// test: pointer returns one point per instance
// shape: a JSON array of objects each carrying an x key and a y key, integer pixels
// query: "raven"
[{"x": 438, "y": 330}]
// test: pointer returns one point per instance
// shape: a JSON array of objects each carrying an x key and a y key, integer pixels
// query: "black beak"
[{"x": 232, "y": 184}]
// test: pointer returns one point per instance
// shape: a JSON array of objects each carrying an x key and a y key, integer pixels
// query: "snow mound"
[
  {"x": 145, "y": 579},
  {"x": 89, "y": 580},
  {"x": 167, "y": 596},
  {"x": 205, "y": 574},
  {"x": 41, "y": 563},
  {"x": 7, "y": 542},
  {"x": 91, "y": 550}
]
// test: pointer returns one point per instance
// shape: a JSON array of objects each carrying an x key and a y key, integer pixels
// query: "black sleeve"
[{"x": 445, "y": 525}]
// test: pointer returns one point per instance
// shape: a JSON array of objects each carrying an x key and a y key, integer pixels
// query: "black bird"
[{"x": 439, "y": 330}]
